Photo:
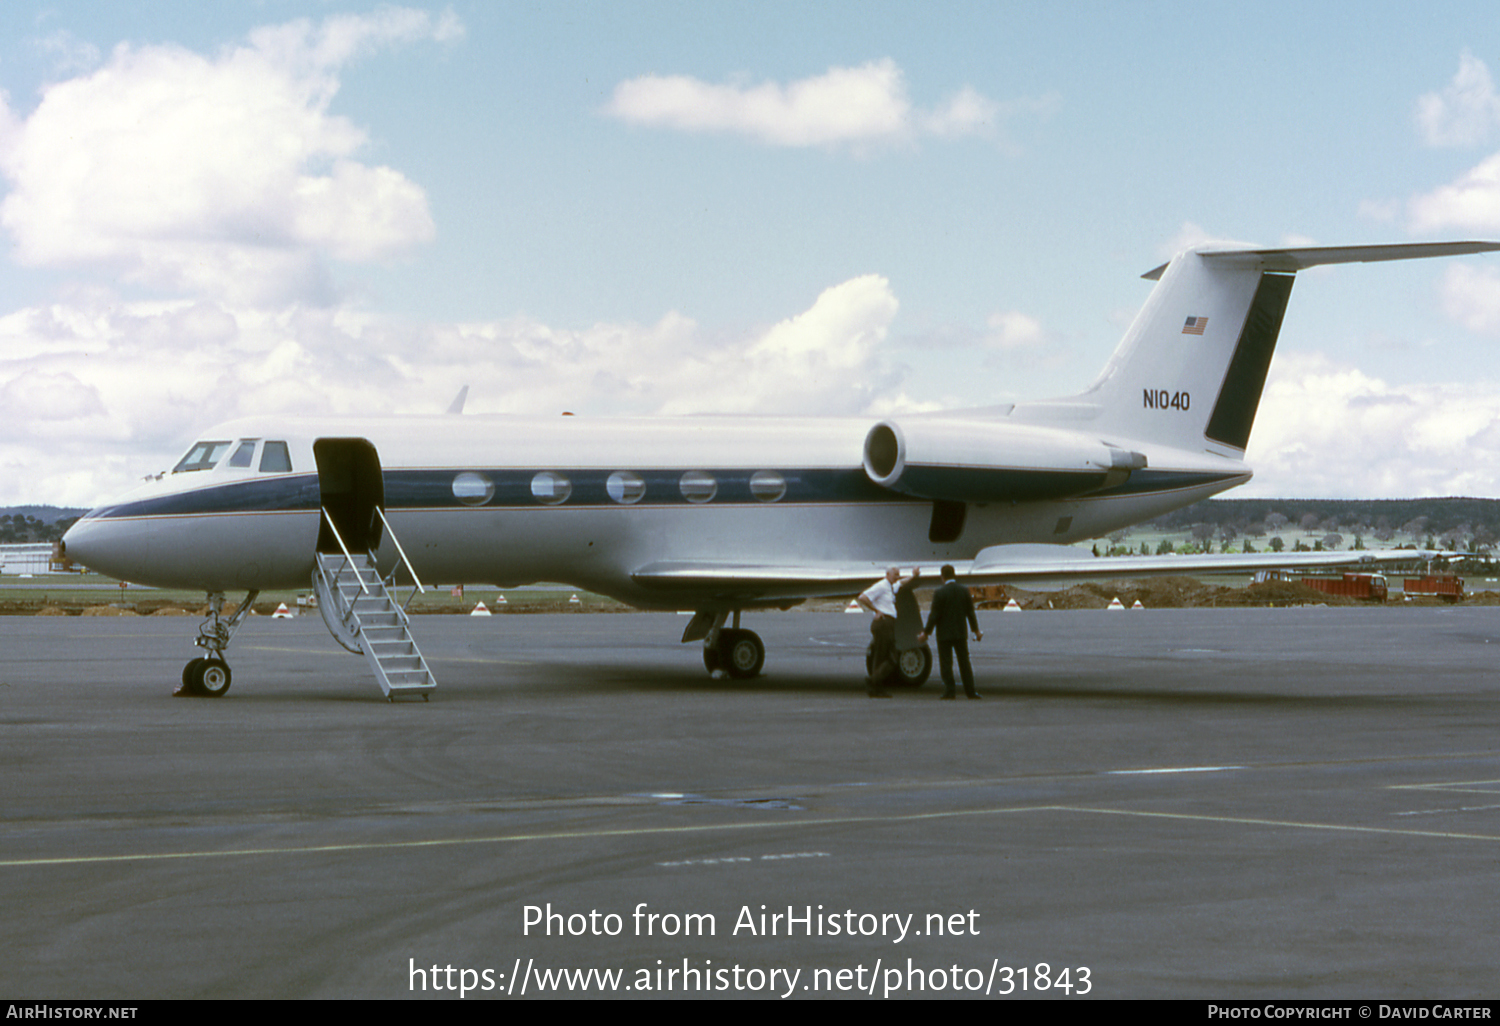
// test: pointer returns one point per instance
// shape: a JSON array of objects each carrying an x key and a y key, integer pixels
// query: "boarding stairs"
[{"x": 362, "y": 613}]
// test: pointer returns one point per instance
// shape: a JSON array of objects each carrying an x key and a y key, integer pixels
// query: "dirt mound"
[
  {"x": 1176, "y": 593},
  {"x": 1482, "y": 598},
  {"x": 107, "y": 611}
]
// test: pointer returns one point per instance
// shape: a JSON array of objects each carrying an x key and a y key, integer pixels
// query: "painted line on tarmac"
[
  {"x": 1439, "y": 812},
  {"x": 1173, "y": 769},
  {"x": 1475, "y": 786},
  {"x": 1284, "y": 823},
  {"x": 449, "y": 842}
]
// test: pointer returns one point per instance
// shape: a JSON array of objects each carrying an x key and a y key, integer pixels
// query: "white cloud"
[
  {"x": 1466, "y": 112},
  {"x": 844, "y": 106},
  {"x": 965, "y": 113},
  {"x": 1014, "y": 330},
  {"x": 1187, "y": 236},
  {"x": 122, "y": 388},
  {"x": 219, "y": 176},
  {"x": 1471, "y": 296},
  {"x": 1192, "y": 234},
  {"x": 95, "y": 393},
  {"x": 68, "y": 53},
  {"x": 1384, "y": 211},
  {"x": 1470, "y": 204},
  {"x": 1338, "y": 432}
]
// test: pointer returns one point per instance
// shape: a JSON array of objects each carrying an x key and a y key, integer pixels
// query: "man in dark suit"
[{"x": 953, "y": 610}]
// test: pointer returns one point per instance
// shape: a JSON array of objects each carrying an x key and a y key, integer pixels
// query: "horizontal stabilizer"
[{"x": 1314, "y": 256}]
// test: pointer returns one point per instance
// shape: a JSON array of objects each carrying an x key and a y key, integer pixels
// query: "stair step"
[{"x": 379, "y": 624}]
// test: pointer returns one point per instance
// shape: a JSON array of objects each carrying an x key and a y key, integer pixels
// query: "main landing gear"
[
  {"x": 739, "y": 653},
  {"x": 209, "y": 676},
  {"x": 913, "y": 666},
  {"x": 736, "y": 652}
]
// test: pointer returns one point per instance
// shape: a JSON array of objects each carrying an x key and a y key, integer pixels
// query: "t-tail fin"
[{"x": 1190, "y": 370}]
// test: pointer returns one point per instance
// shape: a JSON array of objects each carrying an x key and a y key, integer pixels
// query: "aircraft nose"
[
  {"x": 81, "y": 542},
  {"x": 103, "y": 545}
]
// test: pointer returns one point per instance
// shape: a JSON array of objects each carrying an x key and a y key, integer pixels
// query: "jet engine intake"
[{"x": 991, "y": 461}]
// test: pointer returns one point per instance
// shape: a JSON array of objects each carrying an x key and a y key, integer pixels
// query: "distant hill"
[
  {"x": 46, "y": 514},
  {"x": 36, "y": 523},
  {"x": 1455, "y": 523},
  {"x": 1443, "y": 515}
]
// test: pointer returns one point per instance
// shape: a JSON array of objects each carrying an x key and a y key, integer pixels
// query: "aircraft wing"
[{"x": 1036, "y": 566}]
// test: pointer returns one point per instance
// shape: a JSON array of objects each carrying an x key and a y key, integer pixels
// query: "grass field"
[{"x": 74, "y": 593}]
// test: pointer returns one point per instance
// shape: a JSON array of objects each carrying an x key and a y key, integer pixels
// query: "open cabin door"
[
  {"x": 352, "y": 489},
  {"x": 354, "y": 593}
]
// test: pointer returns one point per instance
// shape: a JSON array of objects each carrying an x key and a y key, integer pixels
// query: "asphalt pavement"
[{"x": 1232, "y": 804}]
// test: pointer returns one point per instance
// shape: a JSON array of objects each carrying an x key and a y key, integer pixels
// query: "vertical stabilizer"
[{"x": 1190, "y": 370}]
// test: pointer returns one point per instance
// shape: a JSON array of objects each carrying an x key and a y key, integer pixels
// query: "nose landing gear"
[{"x": 209, "y": 677}]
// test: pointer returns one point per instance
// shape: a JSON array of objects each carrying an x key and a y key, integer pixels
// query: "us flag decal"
[{"x": 1195, "y": 325}]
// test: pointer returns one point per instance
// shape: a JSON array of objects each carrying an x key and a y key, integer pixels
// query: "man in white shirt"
[{"x": 880, "y": 600}]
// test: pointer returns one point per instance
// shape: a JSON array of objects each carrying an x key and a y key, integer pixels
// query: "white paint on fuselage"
[{"x": 596, "y": 547}]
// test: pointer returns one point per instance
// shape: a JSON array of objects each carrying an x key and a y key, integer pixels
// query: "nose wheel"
[{"x": 209, "y": 676}]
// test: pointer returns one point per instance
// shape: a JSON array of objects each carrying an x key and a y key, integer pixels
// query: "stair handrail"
[
  {"x": 400, "y": 551},
  {"x": 344, "y": 549}
]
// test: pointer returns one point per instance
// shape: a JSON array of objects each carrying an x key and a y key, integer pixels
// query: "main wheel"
[
  {"x": 741, "y": 653},
  {"x": 712, "y": 660},
  {"x": 914, "y": 667},
  {"x": 213, "y": 678}
]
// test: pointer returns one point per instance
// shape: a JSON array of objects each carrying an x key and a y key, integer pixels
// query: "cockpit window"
[
  {"x": 244, "y": 455},
  {"x": 202, "y": 456},
  {"x": 275, "y": 459}
]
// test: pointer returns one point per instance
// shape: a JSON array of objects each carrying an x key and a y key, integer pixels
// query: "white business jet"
[{"x": 723, "y": 514}]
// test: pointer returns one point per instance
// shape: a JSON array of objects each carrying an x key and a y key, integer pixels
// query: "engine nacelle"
[{"x": 991, "y": 461}]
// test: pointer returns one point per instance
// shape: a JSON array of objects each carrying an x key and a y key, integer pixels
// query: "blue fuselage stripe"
[{"x": 434, "y": 489}]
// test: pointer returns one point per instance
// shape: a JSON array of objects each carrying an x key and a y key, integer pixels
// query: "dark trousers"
[
  {"x": 947, "y": 648},
  {"x": 883, "y": 636}
]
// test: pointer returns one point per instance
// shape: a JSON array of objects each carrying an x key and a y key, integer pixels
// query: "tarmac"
[{"x": 1225, "y": 804}]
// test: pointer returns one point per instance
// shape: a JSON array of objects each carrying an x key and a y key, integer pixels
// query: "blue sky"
[{"x": 209, "y": 210}]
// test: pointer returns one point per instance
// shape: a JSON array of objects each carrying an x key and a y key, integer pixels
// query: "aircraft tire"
[
  {"x": 914, "y": 667},
  {"x": 213, "y": 678},
  {"x": 741, "y": 653},
  {"x": 712, "y": 660},
  {"x": 191, "y": 676}
]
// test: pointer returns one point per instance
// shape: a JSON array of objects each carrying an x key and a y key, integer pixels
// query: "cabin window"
[
  {"x": 767, "y": 485},
  {"x": 275, "y": 459},
  {"x": 244, "y": 455},
  {"x": 473, "y": 489},
  {"x": 698, "y": 487},
  {"x": 625, "y": 487},
  {"x": 202, "y": 456},
  {"x": 551, "y": 488}
]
